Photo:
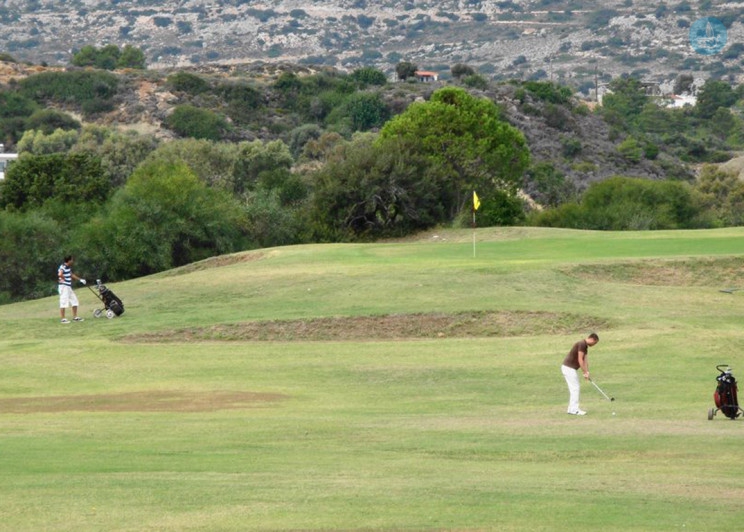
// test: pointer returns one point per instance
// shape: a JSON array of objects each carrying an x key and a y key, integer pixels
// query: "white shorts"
[{"x": 67, "y": 297}]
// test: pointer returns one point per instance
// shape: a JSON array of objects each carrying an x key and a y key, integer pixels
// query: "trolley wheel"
[
  {"x": 97, "y": 313},
  {"x": 110, "y": 314},
  {"x": 711, "y": 413}
]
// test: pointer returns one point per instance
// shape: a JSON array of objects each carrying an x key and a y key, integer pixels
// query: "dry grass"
[
  {"x": 149, "y": 401},
  {"x": 385, "y": 327},
  {"x": 718, "y": 272}
]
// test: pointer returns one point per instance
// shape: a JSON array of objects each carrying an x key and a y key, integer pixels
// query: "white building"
[{"x": 5, "y": 159}]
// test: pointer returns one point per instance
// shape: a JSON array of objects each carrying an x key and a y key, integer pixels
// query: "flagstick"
[{"x": 473, "y": 233}]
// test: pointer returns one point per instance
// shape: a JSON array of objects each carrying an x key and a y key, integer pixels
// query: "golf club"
[{"x": 600, "y": 391}]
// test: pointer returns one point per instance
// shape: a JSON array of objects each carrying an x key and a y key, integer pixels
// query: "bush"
[
  {"x": 549, "y": 92},
  {"x": 631, "y": 150},
  {"x": 76, "y": 87},
  {"x": 49, "y": 120},
  {"x": 368, "y": 76},
  {"x": 476, "y": 81},
  {"x": 500, "y": 208},
  {"x": 623, "y": 203},
  {"x": 190, "y": 121},
  {"x": 188, "y": 83},
  {"x": 363, "y": 111}
]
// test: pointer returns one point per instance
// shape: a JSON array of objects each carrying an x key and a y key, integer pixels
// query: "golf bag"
[
  {"x": 725, "y": 395},
  {"x": 112, "y": 305}
]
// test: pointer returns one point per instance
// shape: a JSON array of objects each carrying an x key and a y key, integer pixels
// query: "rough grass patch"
[
  {"x": 146, "y": 401},
  {"x": 717, "y": 272},
  {"x": 386, "y": 327}
]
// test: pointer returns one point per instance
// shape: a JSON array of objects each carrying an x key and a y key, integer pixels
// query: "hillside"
[
  {"x": 568, "y": 136},
  {"x": 570, "y": 41}
]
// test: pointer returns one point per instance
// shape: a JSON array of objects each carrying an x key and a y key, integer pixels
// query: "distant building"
[
  {"x": 426, "y": 76},
  {"x": 677, "y": 101},
  {"x": 5, "y": 159}
]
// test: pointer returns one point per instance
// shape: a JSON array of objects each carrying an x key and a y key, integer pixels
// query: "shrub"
[
  {"x": 190, "y": 121},
  {"x": 188, "y": 83},
  {"x": 500, "y": 208},
  {"x": 77, "y": 87},
  {"x": 49, "y": 120},
  {"x": 476, "y": 81},
  {"x": 623, "y": 203},
  {"x": 369, "y": 76},
  {"x": 631, "y": 150},
  {"x": 549, "y": 91}
]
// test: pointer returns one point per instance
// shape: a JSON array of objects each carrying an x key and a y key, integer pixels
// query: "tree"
[
  {"x": 361, "y": 111},
  {"x": 378, "y": 190},
  {"x": 261, "y": 165},
  {"x": 548, "y": 186},
  {"x": 405, "y": 70},
  {"x": 131, "y": 57},
  {"x": 460, "y": 71},
  {"x": 465, "y": 138},
  {"x": 712, "y": 95},
  {"x": 163, "y": 218},
  {"x": 212, "y": 162},
  {"x": 34, "y": 180},
  {"x": 368, "y": 76},
  {"x": 120, "y": 152},
  {"x": 723, "y": 195},
  {"x": 626, "y": 101},
  {"x": 108, "y": 57}
]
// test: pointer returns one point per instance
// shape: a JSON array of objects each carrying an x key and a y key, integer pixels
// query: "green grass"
[{"x": 429, "y": 433}]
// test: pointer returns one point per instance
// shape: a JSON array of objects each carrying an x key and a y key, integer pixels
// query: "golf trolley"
[
  {"x": 112, "y": 305},
  {"x": 725, "y": 394}
]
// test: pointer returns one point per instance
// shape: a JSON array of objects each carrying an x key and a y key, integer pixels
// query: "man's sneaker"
[
  {"x": 77, "y": 318},
  {"x": 64, "y": 320},
  {"x": 578, "y": 413}
]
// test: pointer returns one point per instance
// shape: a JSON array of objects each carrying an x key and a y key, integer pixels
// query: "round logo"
[{"x": 708, "y": 35}]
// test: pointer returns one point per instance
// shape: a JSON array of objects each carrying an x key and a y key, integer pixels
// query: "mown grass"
[{"x": 432, "y": 432}]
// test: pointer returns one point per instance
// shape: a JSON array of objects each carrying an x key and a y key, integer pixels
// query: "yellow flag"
[{"x": 476, "y": 201}]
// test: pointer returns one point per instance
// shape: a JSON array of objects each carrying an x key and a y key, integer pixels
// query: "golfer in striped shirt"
[{"x": 67, "y": 297}]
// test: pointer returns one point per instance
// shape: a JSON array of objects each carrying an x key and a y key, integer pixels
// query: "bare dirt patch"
[
  {"x": 385, "y": 327},
  {"x": 149, "y": 401},
  {"x": 718, "y": 272}
]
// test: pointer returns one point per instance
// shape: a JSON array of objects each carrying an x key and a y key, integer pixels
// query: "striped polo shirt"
[{"x": 64, "y": 274}]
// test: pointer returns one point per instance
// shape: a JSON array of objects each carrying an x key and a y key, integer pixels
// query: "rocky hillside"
[{"x": 571, "y": 41}]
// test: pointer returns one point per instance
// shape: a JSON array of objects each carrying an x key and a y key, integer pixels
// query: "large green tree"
[
  {"x": 34, "y": 180},
  {"x": 376, "y": 190},
  {"x": 164, "y": 217},
  {"x": 463, "y": 137}
]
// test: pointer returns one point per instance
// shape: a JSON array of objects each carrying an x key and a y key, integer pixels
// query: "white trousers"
[{"x": 574, "y": 387}]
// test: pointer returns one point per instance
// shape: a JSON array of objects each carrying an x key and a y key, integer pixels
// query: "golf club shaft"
[{"x": 600, "y": 391}]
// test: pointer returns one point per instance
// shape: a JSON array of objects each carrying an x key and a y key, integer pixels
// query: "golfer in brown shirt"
[{"x": 577, "y": 358}]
